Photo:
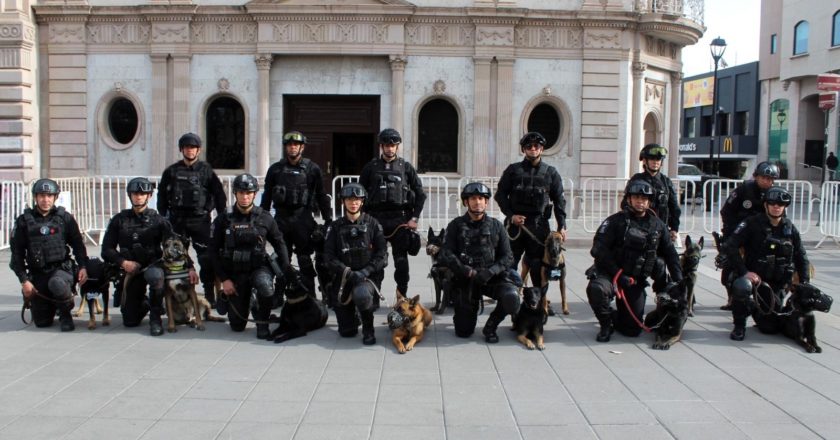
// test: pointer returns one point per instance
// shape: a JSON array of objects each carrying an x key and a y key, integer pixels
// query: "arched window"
[
  {"x": 122, "y": 121},
  {"x": 800, "y": 38},
  {"x": 835, "y": 29},
  {"x": 545, "y": 120},
  {"x": 225, "y": 125},
  {"x": 437, "y": 138}
]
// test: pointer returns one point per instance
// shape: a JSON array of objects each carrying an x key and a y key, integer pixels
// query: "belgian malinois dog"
[{"x": 183, "y": 305}]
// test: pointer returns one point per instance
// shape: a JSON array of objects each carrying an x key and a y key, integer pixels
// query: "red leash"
[{"x": 620, "y": 294}]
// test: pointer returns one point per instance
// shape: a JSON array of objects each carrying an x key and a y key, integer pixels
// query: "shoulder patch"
[
  {"x": 732, "y": 196},
  {"x": 603, "y": 228},
  {"x": 740, "y": 227},
  {"x": 747, "y": 204}
]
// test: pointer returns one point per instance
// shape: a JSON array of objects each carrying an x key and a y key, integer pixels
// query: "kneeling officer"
[
  {"x": 477, "y": 250},
  {"x": 354, "y": 249},
  {"x": 629, "y": 247},
  {"x": 40, "y": 258}
]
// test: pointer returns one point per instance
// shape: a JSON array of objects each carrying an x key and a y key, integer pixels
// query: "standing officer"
[
  {"x": 629, "y": 247},
  {"x": 237, "y": 247},
  {"x": 477, "y": 250},
  {"x": 355, "y": 248},
  {"x": 665, "y": 202},
  {"x": 524, "y": 192},
  {"x": 395, "y": 199},
  {"x": 293, "y": 184},
  {"x": 772, "y": 252},
  {"x": 139, "y": 233},
  {"x": 744, "y": 201},
  {"x": 189, "y": 190},
  {"x": 40, "y": 258}
]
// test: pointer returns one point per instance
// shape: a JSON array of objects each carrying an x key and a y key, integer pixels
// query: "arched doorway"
[
  {"x": 437, "y": 137},
  {"x": 225, "y": 138}
]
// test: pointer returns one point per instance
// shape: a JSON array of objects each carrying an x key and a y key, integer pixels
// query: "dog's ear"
[
  {"x": 415, "y": 300},
  {"x": 399, "y": 295},
  {"x": 442, "y": 232},
  {"x": 431, "y": 234},
  {"x": 688, "y": 241},
  {"x": 700, "y": 242}
]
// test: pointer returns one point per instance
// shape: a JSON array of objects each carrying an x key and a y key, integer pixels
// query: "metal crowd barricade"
[
  {"x": 492, "y": 182},
  {"x": 600, "y": 198},
  {"x": 715, "y": 193},
  {"x": 14, "y": 198},
  {"x": 830, "y": 213}
]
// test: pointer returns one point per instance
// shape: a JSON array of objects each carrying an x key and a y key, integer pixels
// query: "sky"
[{"x": 737, "y": 22}]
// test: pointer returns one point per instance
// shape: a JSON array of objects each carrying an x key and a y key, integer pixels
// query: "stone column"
[
  {"x": 675, "y": 124},
  {"x": 160, "y": 142},
  {"x": 636, "y": 116},
  {"x": 481, "y": 118},
  {"x": 795, "y": 139},
  {"x": 180, "y": 119},
  {"x": 505, "y": 137},
  {"x": 263, "y": 62},
  {"x": 398, "y": 93}
]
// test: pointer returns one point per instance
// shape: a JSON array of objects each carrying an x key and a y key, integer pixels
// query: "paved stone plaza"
[{"x": 120, "y": 383}]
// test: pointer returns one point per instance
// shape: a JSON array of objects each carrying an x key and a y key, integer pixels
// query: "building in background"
[
  {"x": 799, "y": 40},
  {"x": 107, "y": 87},
  {"x": 735, "y": 147}
]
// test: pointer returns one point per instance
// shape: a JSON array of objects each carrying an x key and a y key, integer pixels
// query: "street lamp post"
[
  {"x": 717, "y": 48},
  {"x": 781, "y": 116}
]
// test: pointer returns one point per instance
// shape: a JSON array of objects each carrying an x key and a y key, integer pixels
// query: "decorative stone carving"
[
  {"x": 785, "y": 84},
  {"x": 439, "y": 87},
  {"x": 118, "y": 87},
  {"x": 67, "y": 33},
  {"x": 263, "y": 61},
  {"x": 224, "y": 85},
  {"x": 548, "y": 38},
  {"x": 170, "y": 33},
  {"x": 398, "y": 62},
  {"x": 661, "y": 48},
  {"x": 118, "y": 33},
  {"x": 639, "y": 69},
  {"x": 654, "y": 93},
  {"x": 494, "y": 36},
  {"x": 423, "y": 34},
  {"x": 339, "y": 32},
  {"x": 546, "y": 91},
  {"x": 601, "y": 39},
  {"x": 223, "y": 33}
]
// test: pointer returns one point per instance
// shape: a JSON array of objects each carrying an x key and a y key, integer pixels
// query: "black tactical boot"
[
  {"x": 262, "y": 314},
  {"x": 155, "y": 310},
  {"x": 489, "y": 329},
  {"x": 368, "y": 337},
  {"x": 606, "y": 329},
  {"x": 551, "y": 311},
  {"x": 66, "y": 321},
  {"x": 738, "y": 333}
]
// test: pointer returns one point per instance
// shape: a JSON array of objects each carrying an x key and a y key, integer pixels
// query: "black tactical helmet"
[
  {"x": 352, "y": 190},
  {"x": 45, "y": 186},
  {"x": 766, "y": 169},
  {"x": 294, "y": 136},
  {"x": 190, "y": 139},
  {"x": 532, "y": 137},
  {"x": 653, "y": 151},
  {"x": 475, "y": 189},
  {"x": 246, "y": 182},
  {"x": 389, "y": 136},
  {"x": 779, "y": 195},
  {"x": 639, "y": 187},
  {"x": 139, "y": 185}
]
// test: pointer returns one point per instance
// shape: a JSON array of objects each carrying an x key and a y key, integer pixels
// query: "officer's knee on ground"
[
  {"x": 263, "y": 282},
  {"x": 363, "y": 296},
  {"x": 741, "y": 289},
  {"x": 598, "y": 293},
  {"x": 509, "y": 300},
  {"x": 154, "y": 277},
  {"x": 60, "y": 288}
]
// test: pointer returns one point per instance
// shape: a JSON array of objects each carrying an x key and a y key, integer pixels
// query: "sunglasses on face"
[{"x": 534, "y": 147}]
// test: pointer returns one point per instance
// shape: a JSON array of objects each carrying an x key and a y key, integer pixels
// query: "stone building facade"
[{"x": 107, "y": 86}]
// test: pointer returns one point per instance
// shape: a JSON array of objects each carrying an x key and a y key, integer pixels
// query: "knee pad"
[
  {"x": 154, "y": 277},
  {"x": 60, "y": 288},
  {"x": 598, "y": 292},
  {"x": 263, "y": 283},
  {"x": 510, "y": 302},
  {"x": 363, "y": 296},
  {"x": 741, "y": 289}
]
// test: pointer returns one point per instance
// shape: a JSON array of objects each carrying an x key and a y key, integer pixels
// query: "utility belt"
[{"x": 67, "y": 265}]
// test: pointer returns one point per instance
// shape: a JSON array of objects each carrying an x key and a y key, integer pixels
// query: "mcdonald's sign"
[{"x": 727, "y": 144}]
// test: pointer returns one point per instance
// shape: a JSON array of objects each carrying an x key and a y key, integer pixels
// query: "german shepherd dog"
[
  {"x": 183, "y": 305},
  {"x": 408, "y": 321},
  {"x": 301, "y": 313},
  {"x": 441, "y": 275},
  {"x": 554, "y": 267},
  {"x": 689, "y": 262},
  {"x": 668, "y": 318},
  {"x": 801, "y": 324},
  {"x": 99, "y": 278},
  {"x": 531, "y": 318}
]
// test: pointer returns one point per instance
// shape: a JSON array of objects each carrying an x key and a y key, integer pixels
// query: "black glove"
[
  {"x": 355, "y": 277},
  {"x": 625, "y": 282},
  {"x": 467, "y": 271},
  {"x": 483, "y": 276}
]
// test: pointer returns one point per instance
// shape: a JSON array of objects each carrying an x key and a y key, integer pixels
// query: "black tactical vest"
[
  {"x": 660, "y": 195},
  {"x": 776, "y": 265},
  {"x": 530, "y": 189},
  {"x": 188, "y": 189},
  {"x": 244, "y": 247},
  {"x": 47, "y": 245},
  {"x": 356, "y": 240},
  {"x": 390, "y": 186},
  {"x": 477, "y": 245},
  {"x": 140, "y": 238},
  {"x": 639, "y": 249},
  {"x": 292, "y": 190}
]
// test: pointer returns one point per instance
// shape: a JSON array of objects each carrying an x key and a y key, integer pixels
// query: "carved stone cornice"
[
  {"x": 223, "y": 32},
  {"x": 494, "y": 36},
  {"x": 601, "y": 39},
  {"x": 359, "y": 33},
  {"x": 119, "y": 33},
  {"x": 549, "y": 38},
  {"x": 425, "y": 34},
  {"x": 170, "y": 32},
  {"x": 19, "y": 33},
  {"x": 66, "y": 33},
  {"x": 330, "y": 18}
]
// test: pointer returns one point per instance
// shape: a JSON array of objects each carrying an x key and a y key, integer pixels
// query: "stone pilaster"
[
  {"x": 675, "y": 123},
  {"x": 505, "y": 137},
  {"x": 398, "y": 94},
  {"x": 263, "y": 62},
  {"x": 481, "y": 119},
  {"x": 637, "y": 110},
  {"x": 180, "y": 95},
  {"x": 599, "y": 146},
  {"x": 160, "y": 141}
]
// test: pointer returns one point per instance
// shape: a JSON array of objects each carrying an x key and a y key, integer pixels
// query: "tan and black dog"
[
  {"x": 183, "y": 305},
  {"x": 689, "y": 263},
  {"x": 530, "y": 320},
  {"x": 96, "y": 286},
  {"x": 554, "y": 266},
  {"x": 668, "y": 318},
  {"x": 408, "y": 322}
]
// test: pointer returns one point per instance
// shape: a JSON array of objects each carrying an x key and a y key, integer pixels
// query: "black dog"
[
  {"x": 689, "y": 263},
  {"x": 668, "y": 318},
  {"x": 326, "y": 281},
  {"x": 801, "y": 324},
  {"x": 301, "y": 313},
  {"x": 531, "y": 318},
  {"x": 99, "y": 278},
  {"x": 441, "y": 275}
]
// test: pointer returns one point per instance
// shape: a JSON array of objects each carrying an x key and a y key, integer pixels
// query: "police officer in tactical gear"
[
  {"x": 665, "y": 202},
  {"x": 294, "y": 184},
  {"x": 773, "y": 251},
  {"x": 477, "y": 250},
  {"x": 189, "y": 190},
  {"x": 525, "y": 191},
  {"x": 355, "y": 249},
  {"x": 133, "y": 241},
  {"x": 241, "y": 261},
  {"x": 744, "y": 201},
  {"x": 395, "y": 199},
  {"x": 629, "y": 247},
  {"x": 40, "y": 258}
]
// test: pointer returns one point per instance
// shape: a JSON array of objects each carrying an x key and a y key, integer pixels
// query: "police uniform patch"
[
  {"x": 603, "y": 227},
  {"x": 732, "y": 196},
  {"x": 45, "y": 230},
  {"x": 747, "y": 204},
  {"x": 740, "y": 227}
]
